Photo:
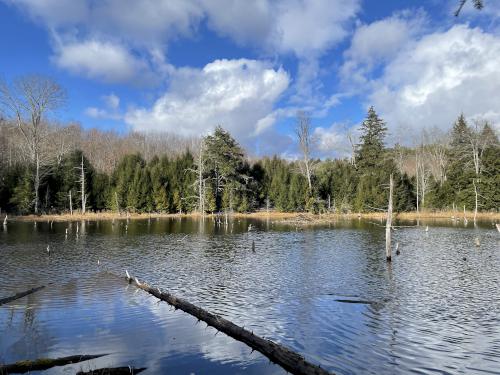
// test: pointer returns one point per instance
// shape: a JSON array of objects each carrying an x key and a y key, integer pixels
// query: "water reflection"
[{"x": 429, "y": 311}]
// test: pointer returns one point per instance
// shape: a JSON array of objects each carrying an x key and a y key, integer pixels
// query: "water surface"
[{"x": 430, "y": 311}]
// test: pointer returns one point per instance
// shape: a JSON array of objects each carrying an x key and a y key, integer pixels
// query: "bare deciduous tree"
[
  {"x": 304, "y": 137},
  {"x": 81, "y": 180},
  {"x": 437, "y": 146},
  {"x": 28, "y": 101}
]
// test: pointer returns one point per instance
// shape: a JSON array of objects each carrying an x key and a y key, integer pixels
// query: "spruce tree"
[{"x": 370, "y": 151}]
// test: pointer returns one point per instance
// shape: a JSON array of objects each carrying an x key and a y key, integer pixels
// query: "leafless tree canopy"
[
  {"x": 305, "y": 141},
  {"x": 28, "y": 101}
]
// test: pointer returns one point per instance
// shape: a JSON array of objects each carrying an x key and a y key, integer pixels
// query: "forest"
[{"x": 47, "y": 167}]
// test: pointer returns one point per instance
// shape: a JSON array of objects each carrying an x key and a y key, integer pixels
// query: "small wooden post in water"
[{"x": 388, "y": 223}]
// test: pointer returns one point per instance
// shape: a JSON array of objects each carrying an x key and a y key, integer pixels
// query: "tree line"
[{"x": 47, "y": 168}]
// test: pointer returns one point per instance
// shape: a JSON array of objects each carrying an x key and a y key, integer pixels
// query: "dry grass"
[{"x": 284, "y": 216}]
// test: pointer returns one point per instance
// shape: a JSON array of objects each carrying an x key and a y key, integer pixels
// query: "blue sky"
[{"x": 185, "y": 66}]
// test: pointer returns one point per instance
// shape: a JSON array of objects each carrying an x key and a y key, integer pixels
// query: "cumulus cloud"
[
  {"x": 376, "y": 43},
  {"x": 311, "y": 27},
  {"x": 236, "y": 94},
  {"x": 434, "y": 79},
  {"x": 141, "y": 34},
  {"x": 101, "y": 60}
]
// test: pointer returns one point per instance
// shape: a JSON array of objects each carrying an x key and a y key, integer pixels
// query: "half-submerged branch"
[
  {"x": 20, "y": 295},
  {"x": 289, "y": 360},
  {"x": 22, "y": 367}
]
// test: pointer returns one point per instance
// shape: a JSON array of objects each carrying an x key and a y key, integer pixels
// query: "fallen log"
[
  {"x": 279, "y": 354},
  {"x": 113, "y": 371},
  {"x": 20, "y": 295},
  {"x": 22, "y": 367}
]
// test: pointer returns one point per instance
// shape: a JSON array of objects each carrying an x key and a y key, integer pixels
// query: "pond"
[{"x": 434, "y": 310}]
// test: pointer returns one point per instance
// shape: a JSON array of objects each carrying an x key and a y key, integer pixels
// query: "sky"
[{"x": 186, "y": 66}]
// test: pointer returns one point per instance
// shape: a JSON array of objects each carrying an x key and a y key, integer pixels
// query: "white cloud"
[
  {"x": 101, "y": 60},
  {"x": 311, "y": 27},
  {"x": 111, "y": 110},
  {"x": 431, "y": 81},
  {"x": 246, "y": 22},
  {"x": 140, "y": 35},
  {"x": 301, "y": 27},
  {"x": 332, "y": 141},
  {"x": 379, "y": 42},
  {"x": 236, "y": 94},
  {"x": 112, "y": 101}
]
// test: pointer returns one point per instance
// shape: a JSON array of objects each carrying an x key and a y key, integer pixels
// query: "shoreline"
[{"x": 285, "y": 217}]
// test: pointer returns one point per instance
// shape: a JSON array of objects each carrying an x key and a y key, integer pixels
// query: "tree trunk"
[
  {"x": 475, "y": 205},
  {"x": 388, "y": 223},
  {"x": 416, "y": 177},
  {"x": 289, "y": 360},
  {"x": 44, "y": 363},
  {"x": 37, "y": 182},
  {"x": 82, "y": 180},
  {"x": 20, "y": 295},
  {"x": 70, "y": 204}
]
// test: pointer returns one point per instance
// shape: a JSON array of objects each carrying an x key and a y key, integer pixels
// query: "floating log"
[
  {"x": 279, "y": 354},
  {"x": 20, "y": 295},
  {"x": 113, "y": 371},
  {"x": 22, "y": 367}
]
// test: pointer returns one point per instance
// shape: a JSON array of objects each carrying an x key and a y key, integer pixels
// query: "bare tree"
[
  {"x": 478, "y": 142},
  {"x": 352, "y": 142},
  {"x": 437, "y": 146},
  {"x": 81, "y": 180},
  {"x": 28, "y": 101},
  {"x": 423, "y": 173},
  {"x": 200, "y": 183},
  {"x": 303, "y": 131}
]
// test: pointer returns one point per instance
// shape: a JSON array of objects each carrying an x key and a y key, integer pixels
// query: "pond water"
[{"x": 434, "y": 310}]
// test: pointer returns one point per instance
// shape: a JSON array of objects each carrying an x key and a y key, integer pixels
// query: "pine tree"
[
  {"x": 210, "y": 204},
  {"x": 224, "y": 161},
  {"x": 370, "y": 152},
  {"x": 373, "y": 168},
  {"x": 23, "y": 196}
]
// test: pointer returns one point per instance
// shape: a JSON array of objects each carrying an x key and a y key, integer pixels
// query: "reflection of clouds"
[{"x": 439, "y": 309}]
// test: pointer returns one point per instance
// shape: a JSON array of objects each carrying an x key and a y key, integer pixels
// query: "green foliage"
[
  {"x": 225, "y": 164},
  {"x": 371, "y": 150},
  {"x": 234, "y": 184},
  {"x": 22, "y": 195}
]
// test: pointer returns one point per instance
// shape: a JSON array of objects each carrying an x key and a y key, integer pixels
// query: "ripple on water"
[{"x": 429, "y": 312}]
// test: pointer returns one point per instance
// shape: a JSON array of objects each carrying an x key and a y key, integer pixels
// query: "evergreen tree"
[
  {"x": 23, "y": 196},
  {"x": 370, "y": 152},
  {"x": 224, "y": 160}
]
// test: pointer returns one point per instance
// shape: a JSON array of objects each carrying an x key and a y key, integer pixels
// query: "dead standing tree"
[
  {"x": 388, "y": 223},
  {"x": 200, "y": 183},
  {"x": 81, "y": 180},
  {"x": 28, "y": 101},
  {"x": 304, "y": 137}
]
